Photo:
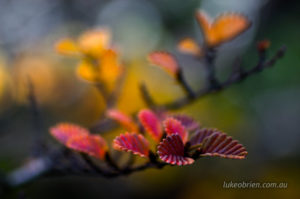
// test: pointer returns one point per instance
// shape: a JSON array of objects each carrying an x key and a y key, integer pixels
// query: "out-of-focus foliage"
[{"x": 261, "y": 112}]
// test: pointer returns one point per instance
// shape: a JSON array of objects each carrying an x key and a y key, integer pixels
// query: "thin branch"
[
  {"x": 238, "y": 74},
  {"x": 233, "y": 79},
  {"x": 110, "y": 162},
  {"x": 210, "y": 57},
  {"x": 182, "y": 81},
  {"x": 110, "y": 101},
  {"x": 146, "y": 95},
  {"x": 91, "y": 164},
  {"x": 39, "y": 145}
]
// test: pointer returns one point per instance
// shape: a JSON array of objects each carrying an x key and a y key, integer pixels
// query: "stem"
[
  {"x": 110, "y": 162},
  {"x": 91, "y": 164},
  {"x": 180, "y": 78},
  {"x": 39, "y": 145},
  {"x": 146, "y": 96},
  {"x": 212, "y": 81}
]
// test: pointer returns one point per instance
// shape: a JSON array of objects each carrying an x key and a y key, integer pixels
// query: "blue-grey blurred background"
[{"x": 263, "y": 112}]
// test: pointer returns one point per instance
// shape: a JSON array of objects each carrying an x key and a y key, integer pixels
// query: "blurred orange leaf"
[
  {"x": 123, "y": 119},
  {"x": 93, "y": 145},
  {"x": 224, "y": 28},
  {"x": 94, "y": 42},
  {"x": 67, "y": 47},
  {"x": 87, "y": 71},
  {"x": 79, "y": 139},
  {"x": 64, "y": 131},
  {"x": 166, "y": 61},
  {"x": 189, "y": 46},
  {"x": 110, "y": 68}
]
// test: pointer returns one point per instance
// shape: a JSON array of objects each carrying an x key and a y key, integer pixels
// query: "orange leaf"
[
  {"x": 123, "y": 119},
  {"x": 224, "y": 28},
  {"x": 79, "y": 139},
  {"x": 87, "y": 71},
  {"x": 64, "y": 131},
  {"x": 189, "y": 46},
  {"x": 93, "y": 145},
  {"x": 67, "y": 47},
  {"x": 94, "y": 42},
  {"x": 110, "y": 68},
  {"x": 164, "y": 60}
]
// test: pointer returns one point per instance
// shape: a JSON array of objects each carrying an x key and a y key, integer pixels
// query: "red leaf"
[
  {"x": 189, "y": 123},
  {"x": 171, "y": 150},
  {"x": 64, "y": 131},
  {"x": 217, "y": 143},
  {"x": 123, "y": 119},
  {"x": 263, "y": 45},
  {"x": 93, "y": 145},
  {"x": 164, "y": 60},
  {"x": 200, "y": 135},
  {"x": 173, "y": 126},
  {"x": 132, "y": 142},
  {"x": 151, "y": 123}
]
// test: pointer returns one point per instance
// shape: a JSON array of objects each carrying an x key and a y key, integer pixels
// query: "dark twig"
[
  {"x": 182, "y": 81},
  {"x": 91, "y": 164},
  {"x": 110, "y": 100},
  {"x": 238, "y": 74},
  {"x": 39, "y": 145},
  {"x": 234, "y": 78},
  {"x": 146, "y": 96},
  {"x": 212, "y": 82},
  {"x": 111, "y": 162},
  {"x": 130, "y": 161},
  {"x": 115, "y": 94}
]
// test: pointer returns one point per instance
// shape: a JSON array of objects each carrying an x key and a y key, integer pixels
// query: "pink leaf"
[
  {"x": 173, "y": 126},
  {"x": 123, "y": 119},
  {"x": 132, "y": 142},
  {"x": 64, "y": 131},
  {"x": 164, "y": 60},
  {"x": 189, "y": 123},
  {"x": 171, "y": 150},
  {"x": 93, "y": 145},
  {"x": 151, "y": 124}
]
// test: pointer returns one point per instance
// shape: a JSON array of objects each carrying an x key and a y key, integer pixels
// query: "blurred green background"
[{"x": 263, "y": 112}]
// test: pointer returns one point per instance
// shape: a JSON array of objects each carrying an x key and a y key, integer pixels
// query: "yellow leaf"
[
  {"x": 94, "y": 42},
  {"x": 87, "y": 71},
  {"x": 66, "y": 47},
  {"x": 110, "y": 68}
]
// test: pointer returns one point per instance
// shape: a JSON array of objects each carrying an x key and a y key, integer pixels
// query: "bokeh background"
[{"x": 263, "y": 112}]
